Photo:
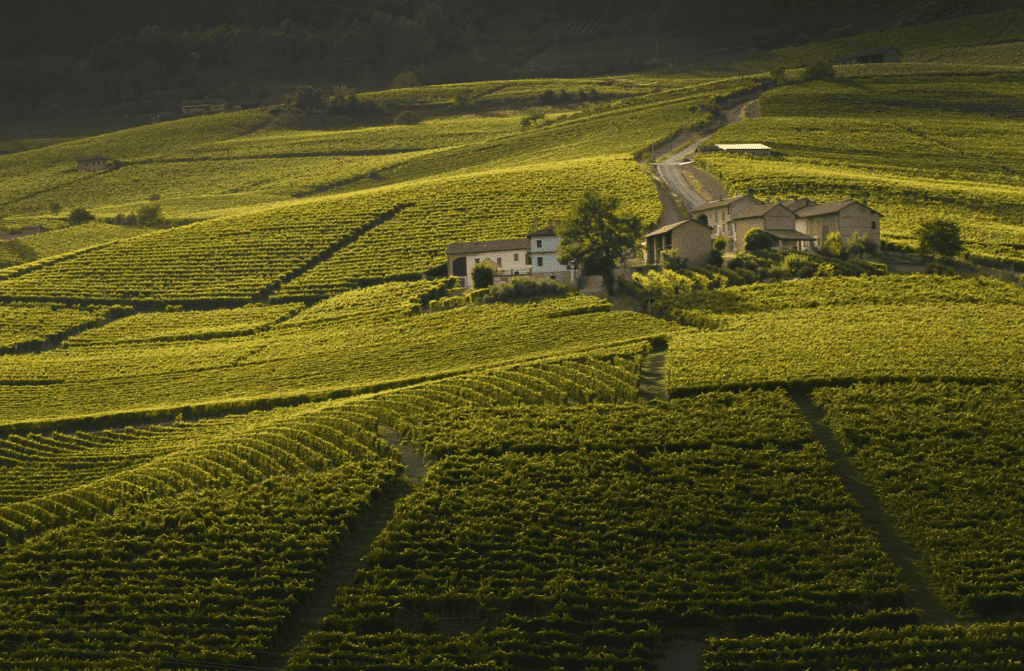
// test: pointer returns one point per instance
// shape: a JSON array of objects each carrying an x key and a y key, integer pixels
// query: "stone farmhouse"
[
  {"x": 691, "y": 240},
  {"x": 886, "y": 55},
  {"x": 798, "y": 224},
  {"x": 536, "y": 256},
  {"x": 90, "y": 163}
]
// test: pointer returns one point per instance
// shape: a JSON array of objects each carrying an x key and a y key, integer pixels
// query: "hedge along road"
[{"x": 671, "y": 173}]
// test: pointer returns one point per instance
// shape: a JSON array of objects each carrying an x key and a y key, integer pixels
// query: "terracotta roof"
[
  {"x": 759, "y": 211},
  {"x": 542, "y": 233},
  {"x": 669, "y": 227},
  {"x": 829, "y": 208},
  {"x": 719, "y": 203},
  {"x": 789, "y": 235},
  {"x": 868, "y": 52},
  {"x": 487, "y": 246}
]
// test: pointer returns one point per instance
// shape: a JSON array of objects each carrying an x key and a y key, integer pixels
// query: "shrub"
[
  {"x": 833, "y": 246},
  {"x": 54, "y": 207},
  {"x": 756, "y": 240},
  {"x": 309, "y": 99},
  {"x": 80, "y": 215},
  {"x": 670, "y": 260},
  {"x": 405, "y": 80},
  {"x": 941, "y": 237},
  {"x": 149, "y": 215},
  {"x": 407, "y": 118},
  {"x": 819, "y": 70},
  {"x": 483, "y": 276},
  {"x": 526, "y": 288}
]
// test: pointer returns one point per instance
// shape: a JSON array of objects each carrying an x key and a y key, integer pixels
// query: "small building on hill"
[
  {"x": 844, "y": 216},
  {"x": 90, "y": 163},
  {"x": 775, "y": 219},
  {"x": 204, "y": 106},
  {"x": 690, "y": 239},
  {"x": 508, "y": 257},
  {"x": 797, "y": 223},
  {"x": 718, "y": 214},
  {"x": 748, "y": 148},
  {"x": 882, "y": 55}
]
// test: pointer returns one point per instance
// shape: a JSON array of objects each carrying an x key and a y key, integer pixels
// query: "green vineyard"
[{"x": 266, "y": 429}]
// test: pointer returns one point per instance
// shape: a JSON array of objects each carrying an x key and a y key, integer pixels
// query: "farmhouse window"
[
  {"x": 540, "y": 260},
  {"x": 538, "y": 244},
  {"x": 476, "y": 260},
  {"x": 873, "y": 223},
  {"x": 499, "y": 262},
  {"x": 515, "y": 257}
]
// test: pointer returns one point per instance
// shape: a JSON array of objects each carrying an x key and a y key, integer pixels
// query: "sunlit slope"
[
  {"x": 622, "y": 127},
  {"x": 392, "y": 231},
  {"x": 136, "y": 372},
  {"x": 912, "y": 147},
  {"x": 838, "y": 330}
]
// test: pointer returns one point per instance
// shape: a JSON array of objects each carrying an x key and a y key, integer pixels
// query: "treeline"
[{"x": 144, "y": 60}]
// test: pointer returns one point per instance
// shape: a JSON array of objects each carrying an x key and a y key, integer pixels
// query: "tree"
[
  {"x": 55, "y": 207},
  {"x": 861, "y": 244},
  {"x": 80, "y": 215},
  {"x": 483, "y": 276},
  {"x": 940, "y": 236},
  {"x": 149, "y": 215},
  {"x": 309, "y": 99},
  {"x": 833, "y": 246},
  {"x": 779, "y": 75},
  {"x": 819, "y": 70},
  {"x": 595, "y": 236},
  {"x": 407, "y": 118},
  {"x": 405, "y": 80},
  {"x": 717, "y": 247},
  {"x": 757, "y": 240}
]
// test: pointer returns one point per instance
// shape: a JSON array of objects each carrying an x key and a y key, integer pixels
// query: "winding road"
[{"x": 671, "y": 169}]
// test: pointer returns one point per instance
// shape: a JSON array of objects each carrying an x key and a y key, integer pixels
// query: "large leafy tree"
[{"x": 595, "y": 236}]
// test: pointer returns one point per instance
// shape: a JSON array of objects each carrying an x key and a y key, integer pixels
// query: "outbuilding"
[
  {"x": 690, "y": 239},
  {"x": 883, "y": 55},
  {"x": 748, "y": 148},
  {"x": 90, "y": 163}
]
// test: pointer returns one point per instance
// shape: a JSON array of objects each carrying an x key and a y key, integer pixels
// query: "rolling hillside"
[{"x": 266, "y": 432}]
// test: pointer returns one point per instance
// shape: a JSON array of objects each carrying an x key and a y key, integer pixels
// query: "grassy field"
[{"x": 248, "y": 440}]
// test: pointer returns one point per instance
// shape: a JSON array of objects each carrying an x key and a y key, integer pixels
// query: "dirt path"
[
  {"x": 653, "y": 376},
  {"x": 919, "y": 593},
  {"x": 692, "y": 185},
  {"x": 416, "y": 466},
  {"x": 339, "y": 571}
]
